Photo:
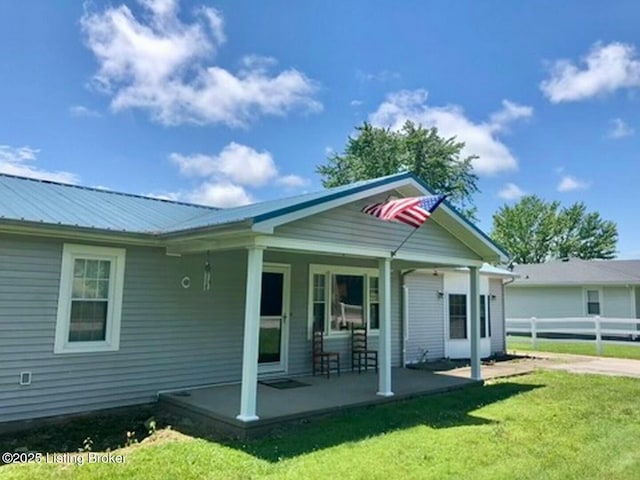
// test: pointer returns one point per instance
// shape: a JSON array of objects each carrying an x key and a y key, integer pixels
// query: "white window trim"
[
  {"x": 585, "y": 301},
  {"x": 117, "y": 258},
  {"x": 327, "y": 270}
]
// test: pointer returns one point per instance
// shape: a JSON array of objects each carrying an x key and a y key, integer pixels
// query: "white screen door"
[{"x": 274, "y": 319}]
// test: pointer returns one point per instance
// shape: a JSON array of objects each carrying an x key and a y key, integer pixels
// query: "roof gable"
[{"x": 346, "y": 224}]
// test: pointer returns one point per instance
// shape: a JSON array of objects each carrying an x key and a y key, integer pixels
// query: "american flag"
[{"x": 413, "y": 211}]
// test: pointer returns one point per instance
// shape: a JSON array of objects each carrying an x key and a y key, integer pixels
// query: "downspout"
[
  {"x": 504, "y": 312},
  {"x": 404, "y": 313}
]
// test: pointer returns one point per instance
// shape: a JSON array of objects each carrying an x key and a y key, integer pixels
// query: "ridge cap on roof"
[
  {"x": 296, "y": 200},
  {"x": 108, "y": 191}
]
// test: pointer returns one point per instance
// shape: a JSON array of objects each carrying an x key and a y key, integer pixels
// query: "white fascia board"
[
  {"x": 285, "y": 243},
  {"x": 331, "y": 248}
]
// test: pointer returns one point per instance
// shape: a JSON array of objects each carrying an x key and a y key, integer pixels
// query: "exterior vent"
[{"x": 25, "y": 378}]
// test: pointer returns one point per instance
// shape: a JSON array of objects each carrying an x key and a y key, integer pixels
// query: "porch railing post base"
[
  {"x": 385, "y": 394},
  {"x": 242, "y": 418}
]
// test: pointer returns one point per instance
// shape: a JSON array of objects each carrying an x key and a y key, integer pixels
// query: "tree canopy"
[
  {"x": 534, "y": 231},
  {"x": 377, "y": 152}
]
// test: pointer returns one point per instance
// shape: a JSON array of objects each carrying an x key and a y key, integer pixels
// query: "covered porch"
[
  {"x": 217, "y": 406},
  {"x": 273, "y": 337},
  {"x": 384, "y": 381},
  {"x": 304, "y": 258}
]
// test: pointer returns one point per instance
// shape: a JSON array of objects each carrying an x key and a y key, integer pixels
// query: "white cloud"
[
  {"x": 227, "y": 175},
  {"x": 173, "y": 196},
  {"x": 480, "y": 138},
  {"x": 511, "y": 192},
  {"x": 239, "y": 163},
  {"x": 382, "y": 76},
  {"x": 18, "y": 161},
  {"x": 258, "y": 62},
  {"x": 82, "y": 111},
  {"x": 569, "y": 183},
  {"x": 292, "y": 181},
  {"x": 510, "y": 112},
  {"x": 223, "y": 195},
  {"x": 356, "y": 103},
  {"x": 619, "y": 129},
  {"x": 163, "y": 65},
  {"x": 605, "y": 69}
]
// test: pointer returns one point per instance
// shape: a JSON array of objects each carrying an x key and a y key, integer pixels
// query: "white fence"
[{"x": 616, "y": 330}]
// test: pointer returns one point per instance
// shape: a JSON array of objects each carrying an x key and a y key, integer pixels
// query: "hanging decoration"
[{"x": 206, "y": 280}]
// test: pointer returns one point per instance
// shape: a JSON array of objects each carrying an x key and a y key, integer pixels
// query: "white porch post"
[
  {"x": 474, "y": 292},
  {"x": 249, "y": 390},
  {"x": 384, "y": 370}
]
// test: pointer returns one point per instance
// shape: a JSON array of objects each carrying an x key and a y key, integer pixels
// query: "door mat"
[{"x": 283, "y": 383}]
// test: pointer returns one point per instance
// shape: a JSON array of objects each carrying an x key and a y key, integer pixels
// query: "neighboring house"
[
  {"x": 575, "y": 288},
  {"x": 108, "y": 298}
]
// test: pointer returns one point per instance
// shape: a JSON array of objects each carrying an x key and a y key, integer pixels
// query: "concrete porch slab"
[{"x": 218, "y": 406}]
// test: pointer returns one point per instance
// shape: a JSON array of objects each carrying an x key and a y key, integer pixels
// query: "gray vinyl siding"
[
  {"x": 497, "y": 315},
  {"x": 348, "y": 225},
  {"x": 170, "y": 337},
  {"x": 637, "y": 294},
  {"x": 557, "y": 302},
  {"x": 617, "y": 302},
  {"x": 544, "y": 302},
  {"x": 425, "y": 317}
]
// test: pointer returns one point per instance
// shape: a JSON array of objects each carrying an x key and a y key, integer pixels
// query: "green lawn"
[
  {"x": 578, "y": 348},
  {"x": 550, "y": 425}
]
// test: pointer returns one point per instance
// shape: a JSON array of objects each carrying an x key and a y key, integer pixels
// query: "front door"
[{"x": 274, "y": 319}]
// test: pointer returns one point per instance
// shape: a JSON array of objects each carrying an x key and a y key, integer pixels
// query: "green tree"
[
  {"x": 377, "y": 152},
  {"x": 535, "y": 231}
]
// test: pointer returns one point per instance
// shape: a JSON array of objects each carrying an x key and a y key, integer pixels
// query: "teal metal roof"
[
  {"x": 26, "y": 200},
  {"x": 46, "y": 202},
  {"x": 281, "y": 206}
]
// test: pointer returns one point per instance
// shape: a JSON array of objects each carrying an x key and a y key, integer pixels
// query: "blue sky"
[{"x": 232, "y": 102}]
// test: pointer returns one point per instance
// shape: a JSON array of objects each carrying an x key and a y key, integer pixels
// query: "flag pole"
[{"x": 393, "y": 254}]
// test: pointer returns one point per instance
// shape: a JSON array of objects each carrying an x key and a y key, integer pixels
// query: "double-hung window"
[
  {"x": 593, "y": 302},
  {"x": 90, "y": 299},
  {"x": 458, "y": 317},
  {"x": 343, "y": 297}
]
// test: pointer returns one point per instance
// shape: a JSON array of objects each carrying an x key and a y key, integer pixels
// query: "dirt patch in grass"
[{"x": 98, "y": 432}]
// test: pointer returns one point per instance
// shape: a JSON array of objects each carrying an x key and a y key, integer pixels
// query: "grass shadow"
[
  {"x": 436, "y": 411},
  {"x": 112, "y": 431}
]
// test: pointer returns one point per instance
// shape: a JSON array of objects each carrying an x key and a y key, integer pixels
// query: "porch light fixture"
[
  {"x": 440, "y": 293},
  {"x": 493, "y": 297}
]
